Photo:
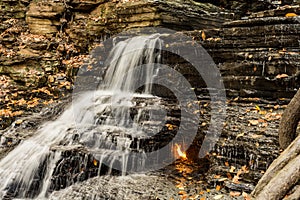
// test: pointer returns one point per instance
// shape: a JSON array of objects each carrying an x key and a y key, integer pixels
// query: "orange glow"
[{"x": 180, "y": 153}]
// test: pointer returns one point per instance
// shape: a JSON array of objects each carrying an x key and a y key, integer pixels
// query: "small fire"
[{"x": 180, "y": 153}]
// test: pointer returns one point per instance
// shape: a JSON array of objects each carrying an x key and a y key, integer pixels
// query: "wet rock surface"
[{"x": 238, "y": 161}]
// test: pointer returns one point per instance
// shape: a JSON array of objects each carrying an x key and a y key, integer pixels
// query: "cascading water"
[{"x": 27, "y": 170}]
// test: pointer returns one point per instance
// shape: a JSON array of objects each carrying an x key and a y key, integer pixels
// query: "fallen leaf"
[
  {"x": 279, "y": 76},
  {"x": 262, "y": 112},
  {"x": 240, "y": 135},
  {"x": 254, "y": 122},
  {"x": 257, "y": 108},
  {"x": 235, "y": 194},
  {"x": 255, "y": 136},
  {"x": 180, "y": 187},
  {"x": 246, "y": 196},
  {"x": 291, "y": 15},
  {"x": 19, "y": 121},
  {"x": 170, "y": 127},
  {"x": 203, "y": 35},
  {"x": 218, "y": 188},
  {"x": 229, "y": 176},
  {"x": 232, "y": 168},
  {"x": 217, "y": 176},
  {"x": 276, "y": 107},
  {"x": 222, "y": 179},
  {"x": 245, "y": 169},
  {"x": 254, "y": 68},
  {"x": 236, "y": 179},
  {"x": 220, "y": 196}
]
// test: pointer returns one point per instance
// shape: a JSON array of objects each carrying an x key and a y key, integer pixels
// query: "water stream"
[{"x": 94, "y": 115}]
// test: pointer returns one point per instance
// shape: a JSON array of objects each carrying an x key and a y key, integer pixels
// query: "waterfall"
[{"x": 27, "y": 170}]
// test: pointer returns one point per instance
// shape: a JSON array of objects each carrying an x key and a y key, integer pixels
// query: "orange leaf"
[
  {"x": 246, "y": 196},
  {"x": 279, "y": 76},
  {"x": 291, "y": 15},
  {"x": 203, "y": 35},
  {"x": 235, "y": 194}
]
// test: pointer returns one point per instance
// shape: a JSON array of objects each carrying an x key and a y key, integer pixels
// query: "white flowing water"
[{"x": 21, "y": 169}]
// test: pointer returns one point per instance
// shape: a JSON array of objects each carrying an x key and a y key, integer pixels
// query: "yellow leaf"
[
  {"x": 16, "y": 113},
  {"x": 181, "y": 192},
  {"x": 291, "y": 15},
  {"x": 203, "y": 35},
  {"x": 257, "y": 108},
  {"x": 240, "y": 135},
  {"x": 170, "y": 127},
  {"x": 262, "y": 112},
  {"x": 218, "y": 188},
  {"x": 180, "y": 187}
]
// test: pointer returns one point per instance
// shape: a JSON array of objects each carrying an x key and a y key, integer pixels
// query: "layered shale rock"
[
  {"x": 112, "y": 17},
  {"x": 258, "y": 56},
  {"x": 44, "y": 17}
]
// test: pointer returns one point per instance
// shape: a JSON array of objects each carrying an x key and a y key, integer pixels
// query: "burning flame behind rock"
[{"x": 180, "y": 153}]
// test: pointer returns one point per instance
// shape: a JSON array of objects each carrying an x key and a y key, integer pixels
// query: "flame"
[
  {"x": 95, "y": 162},
  {"x": 180, "y": 153}
]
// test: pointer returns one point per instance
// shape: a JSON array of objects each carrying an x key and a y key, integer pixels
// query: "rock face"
[
  {"x": 44, "y": 17},
  {"x": 258, "y": 56},
  {"x": 255, "y": 44}
]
